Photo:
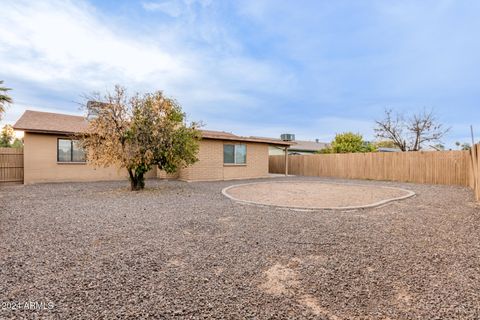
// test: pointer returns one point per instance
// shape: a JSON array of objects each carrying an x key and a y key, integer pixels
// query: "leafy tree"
[
  {"x": 438, "y": 147},
  {"x": 348, "y": 142},
  {"x": 463, "y": 146},
  {"x": 385, "y": 144},
  {"x": 4, "y": 98},
  {"x": 138, "y": 133},
  {"x": 17, "y": 143},
  {"x": 6, "y": 136},
  {"x": 410, "y": 134}
]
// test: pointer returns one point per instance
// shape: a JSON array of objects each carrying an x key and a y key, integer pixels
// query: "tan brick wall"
[
  {"x": 40, "y": 156},
  {"x": 163, "y": 175},
  {"x": 210, "y": 165},
  {"x": 40, "y": 164}
]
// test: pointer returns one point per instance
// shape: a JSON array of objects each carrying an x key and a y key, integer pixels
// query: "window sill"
[
  {"x": 234, "y": 164},
  {"x": 74, "y": 163}
]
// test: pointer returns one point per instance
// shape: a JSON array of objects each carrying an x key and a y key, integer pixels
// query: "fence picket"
[
  {"x": 11, "y": 165},
  {"x": 436, "y": 167}
]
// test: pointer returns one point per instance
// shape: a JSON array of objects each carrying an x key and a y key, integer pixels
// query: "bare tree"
[
  {"x": 410, "y": 134},
  {"x": 392, "y": 127}
]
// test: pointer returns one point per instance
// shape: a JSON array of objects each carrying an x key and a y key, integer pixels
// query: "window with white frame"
[
  {"x": 234, "y": 154},
  {"x": 69, "y": 150}
]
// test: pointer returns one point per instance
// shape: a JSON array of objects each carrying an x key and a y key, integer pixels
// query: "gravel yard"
[{"x": 183, "y": 250}]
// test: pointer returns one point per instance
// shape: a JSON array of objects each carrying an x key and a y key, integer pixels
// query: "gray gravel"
[{"x": 183, "y": 250}]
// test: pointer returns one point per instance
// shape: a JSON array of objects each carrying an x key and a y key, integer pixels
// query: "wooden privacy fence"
[
  {"x": 11, "y": 165},
  {"x": 439, "y": 167}
]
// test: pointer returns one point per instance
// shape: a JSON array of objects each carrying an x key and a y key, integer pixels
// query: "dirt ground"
[
  {"x": 185, "y": 251},
  {"x": 315, "y": 194}
]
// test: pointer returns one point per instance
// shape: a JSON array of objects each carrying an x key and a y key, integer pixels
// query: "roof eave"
[
  {"x": 305, "y": 150},
  {"x": 45, "y": 131},
  {"x": 241, "y": 139}
]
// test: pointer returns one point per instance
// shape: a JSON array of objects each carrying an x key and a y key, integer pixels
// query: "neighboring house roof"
[
  {"x": 382, "y": 149},
  {"x": 222, "y": 135},
  {"x": 57, "y": 123},
  {"x": 312, "y": 146}
]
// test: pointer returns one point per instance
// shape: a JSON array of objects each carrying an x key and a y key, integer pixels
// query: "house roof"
[
  {"x": 57, "y": 123},
  {"x": 302, "y": 145},
  {"x": 47, "y": 122},
  {"x": 381, "y": 149}
]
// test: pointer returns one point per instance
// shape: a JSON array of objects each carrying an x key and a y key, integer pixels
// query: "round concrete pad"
[{"x": 315, "y": 194}]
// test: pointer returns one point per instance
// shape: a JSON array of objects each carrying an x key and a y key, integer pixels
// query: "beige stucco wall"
[
  {"x": 210, "y": 165},
  {"x": 40, "y": 164}
]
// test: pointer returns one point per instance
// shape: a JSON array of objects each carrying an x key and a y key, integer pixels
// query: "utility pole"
[
  {"x": 473, "y": 138},
  {"x": 476, "y": 181}
]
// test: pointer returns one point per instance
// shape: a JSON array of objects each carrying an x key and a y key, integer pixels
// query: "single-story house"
[{"x": 51, "y": 154}]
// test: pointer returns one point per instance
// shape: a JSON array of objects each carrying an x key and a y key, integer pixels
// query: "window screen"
[
  {"x": 78, "y": 154},
  {"x": 64, "y": 150},
  {"x": 240, "y": 154},
  {"x": 228, "y": 153},
  {"x": 234, "y": 154},
  {"x": 69, "y": 151}
]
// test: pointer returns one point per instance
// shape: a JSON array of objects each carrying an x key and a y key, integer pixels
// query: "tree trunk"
[{"x": 137, "y": 180}]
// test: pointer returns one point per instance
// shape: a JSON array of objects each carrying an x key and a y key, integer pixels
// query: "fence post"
[
  {"x": 476, "y": 174},
  {"x": 473, "y": 157}
]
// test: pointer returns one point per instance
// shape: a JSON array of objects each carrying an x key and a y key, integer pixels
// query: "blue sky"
[{"x": 252, "y": 67}]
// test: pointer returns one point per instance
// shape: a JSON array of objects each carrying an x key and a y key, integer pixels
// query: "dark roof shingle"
[
  {"x": 302, "y": 145},
  {"x": 47, "y": 122}
]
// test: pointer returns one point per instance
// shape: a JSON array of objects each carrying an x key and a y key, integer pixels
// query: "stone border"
[{"x": 372, "y": 205}]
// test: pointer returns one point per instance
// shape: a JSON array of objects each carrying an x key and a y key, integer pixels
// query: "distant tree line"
[
  {"x": 396, "y": 131},
  {"x": 8, "y": 139}
]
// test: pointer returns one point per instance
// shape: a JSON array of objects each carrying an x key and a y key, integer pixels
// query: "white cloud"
[
  {"x": 63, "y": 42},
  {"x": 172, "y": 8},
  {"x": 307, "y": 64},
  {"x": 66, "y": 47},
  {"x": 54, "y": 47}
]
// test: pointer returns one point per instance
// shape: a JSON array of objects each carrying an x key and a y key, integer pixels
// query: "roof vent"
[{"x": 287, "y": 137}]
